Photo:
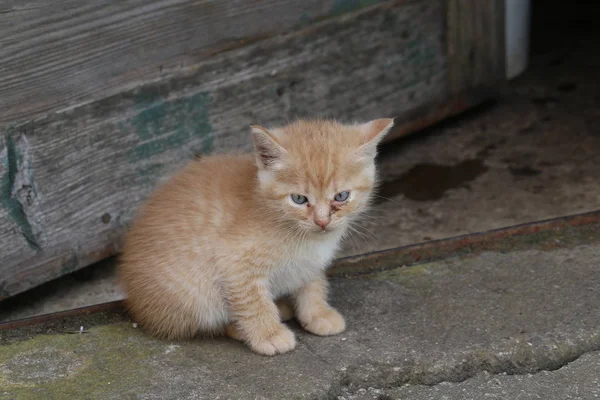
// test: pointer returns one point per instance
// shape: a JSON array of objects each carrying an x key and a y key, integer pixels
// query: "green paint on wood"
[
  {"x": 13, "y": 161},
  {"x": 3, "y": 292},
  {"x": 163, "y": 126},
  {"x": 305, "y": 19},
  {"x": 70, "y": 265},
  {"x": 181, "y": 125}
]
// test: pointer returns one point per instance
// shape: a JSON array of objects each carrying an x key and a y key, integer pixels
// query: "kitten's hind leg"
[
  {"x": 286, "y": 309},
  {"x": 232, "y": 331}
]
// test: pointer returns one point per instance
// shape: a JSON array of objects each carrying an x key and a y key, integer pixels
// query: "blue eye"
[
  {"x": 341, "y": 196},
  {"x": 298, "y": 198}
]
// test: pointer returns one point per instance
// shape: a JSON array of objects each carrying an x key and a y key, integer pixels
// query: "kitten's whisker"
[
  {"x": 385, "y": 198},
  {"x": 353, "y": 241},
  {"x": 362, "y": 235},
  {"x": 369, "y": 218},
  {"x": 365, "y": 235},
  {"x": 369, "y": 231}
]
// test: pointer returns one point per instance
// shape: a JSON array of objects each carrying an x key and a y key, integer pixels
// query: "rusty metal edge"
[
  {"x": 421, "y": 252},
  {"x": 112, "y": 306},
  {"x": 442, "y": 248}
]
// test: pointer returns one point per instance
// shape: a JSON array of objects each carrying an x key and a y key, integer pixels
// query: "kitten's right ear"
[{"x": 268, "y": 151}]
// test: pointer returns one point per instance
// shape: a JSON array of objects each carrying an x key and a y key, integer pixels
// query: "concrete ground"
[
  {"x": 515, "y": 321},
  {"x": 532, "y": 154}
]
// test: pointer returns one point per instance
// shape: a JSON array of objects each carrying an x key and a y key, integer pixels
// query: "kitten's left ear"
[
  {"x": 268, "y": 151},
  {"x": 373, "y": 132}
]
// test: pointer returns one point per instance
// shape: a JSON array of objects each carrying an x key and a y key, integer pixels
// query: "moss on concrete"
[
  {"x": 110, "y": 361},
  {"x": 414, "y": 276}
]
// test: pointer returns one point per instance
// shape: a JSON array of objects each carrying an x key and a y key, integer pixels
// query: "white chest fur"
[{"x": 302, "y": 263}]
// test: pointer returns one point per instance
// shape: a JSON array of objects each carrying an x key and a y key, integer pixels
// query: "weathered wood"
[
  {"x": 476, "y": 43},
  {"x": 71, "y": 180},
  {"x": 59, "y": 54}
]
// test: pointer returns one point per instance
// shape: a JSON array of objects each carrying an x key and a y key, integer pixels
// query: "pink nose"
[{"x": 322, "y": 222}]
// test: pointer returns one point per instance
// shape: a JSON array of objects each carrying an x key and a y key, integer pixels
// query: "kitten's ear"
[
  {"x": 373, "y": 132},
  {"x": 268, "y": 151}
]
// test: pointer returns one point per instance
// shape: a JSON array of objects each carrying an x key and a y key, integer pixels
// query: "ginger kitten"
[{"x": 235, "y": 244}]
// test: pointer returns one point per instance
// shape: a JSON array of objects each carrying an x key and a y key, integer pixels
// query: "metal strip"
[
  {"x": 444, "y": 248},
  {"x": 113, "y": 306}
]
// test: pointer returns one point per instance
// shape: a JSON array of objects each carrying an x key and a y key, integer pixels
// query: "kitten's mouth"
[
  {"x": 327, "y": 229},
  {"x": 316, "y": 230}
]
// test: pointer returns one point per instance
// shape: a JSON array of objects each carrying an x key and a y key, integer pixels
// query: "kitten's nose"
[{"x": 323, "y": 222}]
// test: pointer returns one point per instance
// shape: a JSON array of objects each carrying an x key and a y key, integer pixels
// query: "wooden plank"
[
  {"x": 92, "y": 165},
  {"x": 476, "y": 43},
  {"x": 60, "y": 54},
  {"x": 72, "y": 180}
]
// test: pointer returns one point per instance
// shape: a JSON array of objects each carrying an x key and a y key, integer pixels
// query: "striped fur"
[{"x": 214, "y": 247}]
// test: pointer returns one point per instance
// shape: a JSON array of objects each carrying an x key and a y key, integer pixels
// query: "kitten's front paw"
[
  {"x": 325, "y": 322},
  {"x": 282, "y": 341}
]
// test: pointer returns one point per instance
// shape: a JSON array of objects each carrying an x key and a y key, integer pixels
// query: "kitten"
[{"x": 235, "y": 244}]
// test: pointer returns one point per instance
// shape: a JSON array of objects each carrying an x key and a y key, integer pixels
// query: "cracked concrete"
[
  {"x": 464, "y": 320},
  {"x": 577, "y": 380}
]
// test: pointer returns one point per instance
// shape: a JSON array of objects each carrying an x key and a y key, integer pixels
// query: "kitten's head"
[{"x": 318, "y": 175}]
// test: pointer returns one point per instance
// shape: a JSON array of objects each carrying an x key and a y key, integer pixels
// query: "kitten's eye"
[
  {"x": 298, "y": 198},
  {"x": 341, "y": 196}
]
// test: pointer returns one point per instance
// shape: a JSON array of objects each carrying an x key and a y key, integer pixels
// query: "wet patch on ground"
[{"x": 429, "y": 182}]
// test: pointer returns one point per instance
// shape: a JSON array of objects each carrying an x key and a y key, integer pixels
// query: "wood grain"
[
  {"x": 476, "y": 43},
  {"x": 60, "y": 54},
  {"x": 72, "y": 179}
]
